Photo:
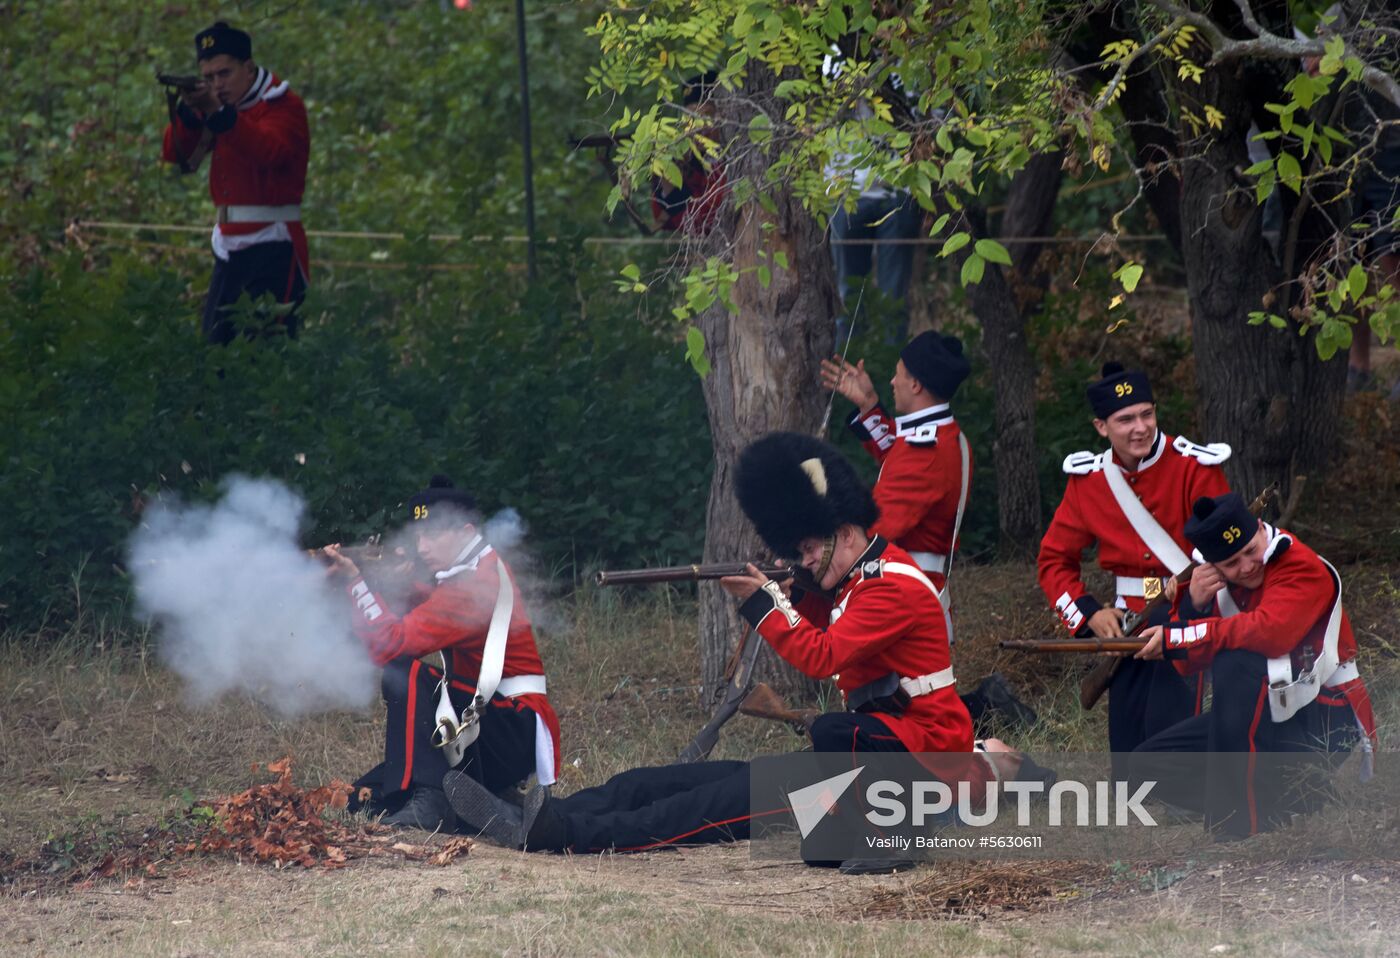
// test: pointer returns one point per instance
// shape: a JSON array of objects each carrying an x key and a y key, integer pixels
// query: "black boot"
[
  {"x": 428, "y": 809},
  {"x": 996, "y": 696},
  {"x": 483, "y": 813}
]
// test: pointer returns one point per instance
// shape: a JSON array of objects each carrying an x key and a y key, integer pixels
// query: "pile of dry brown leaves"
[
  {"x": 276, "y": 823},
  {"x": 980, "y": 889}
]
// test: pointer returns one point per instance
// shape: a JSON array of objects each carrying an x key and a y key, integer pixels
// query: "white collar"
[
  {"x": 910, "y": 421},
  {"x": 461, "y": 564},
  {"x": 1159, "y": 446}
]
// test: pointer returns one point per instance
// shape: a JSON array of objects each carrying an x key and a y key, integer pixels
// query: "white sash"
[
  {"x": 1288, "y": 694},
  {"x": 454, "y": 733},
  {"x": 1162, "y": 545},
  {"x": 957, "y": 524}
]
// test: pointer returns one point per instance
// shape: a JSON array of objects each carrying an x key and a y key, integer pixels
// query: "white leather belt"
[
  {"x": 930, "y": 561},
  {"x": 1143, "y": 587},
  {"x": 521, "y": 685},
  {"x": 925, "y": 684},
  {"x": 291, "y": 213},
  {"x": 1342, "y": 674}
]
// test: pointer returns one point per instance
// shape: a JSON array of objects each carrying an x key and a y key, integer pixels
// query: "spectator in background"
[
  {"x": 255, "y": 127},
  {"x": 692, "y": 205}
]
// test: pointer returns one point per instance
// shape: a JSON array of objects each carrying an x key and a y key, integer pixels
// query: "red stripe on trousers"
[
  {"x": 1249, "y": 771},
  {"x": 409, "y": 724}
]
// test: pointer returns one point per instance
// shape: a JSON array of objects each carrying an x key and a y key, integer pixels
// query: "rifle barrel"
[
  {"x": 685, "y": 573},
  {"x": 1073, "y": 645}
]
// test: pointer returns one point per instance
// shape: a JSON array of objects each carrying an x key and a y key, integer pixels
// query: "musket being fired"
[{"x": 687, "y": 573}]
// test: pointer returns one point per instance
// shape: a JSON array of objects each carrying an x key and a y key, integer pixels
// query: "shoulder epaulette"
[
  {"x": 1277, "y": 546},
  {"x": 1209, "y": 455},
  {"x": 924, "y": 434},
  {"x": 1083, "y": 463}
]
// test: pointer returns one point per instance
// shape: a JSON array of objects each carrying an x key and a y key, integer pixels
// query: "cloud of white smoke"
[{"x": 241, "y": 607}]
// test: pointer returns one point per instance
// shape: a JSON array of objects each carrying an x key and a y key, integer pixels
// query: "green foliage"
[{"x": 550, "y": 397}]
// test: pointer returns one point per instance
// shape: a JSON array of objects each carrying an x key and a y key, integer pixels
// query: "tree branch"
[{"x": 1271, "y": 46}]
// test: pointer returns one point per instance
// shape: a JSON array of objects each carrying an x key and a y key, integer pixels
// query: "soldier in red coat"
[
  {"x": 479, "y": 703},
  {"x": 254, "y": 128},
  {"x": 1264, "y": 617},
  {"x": 1131, "y": 501},
  {"x": 883, "y": 640},
  {"x": 925, "y": 472}
]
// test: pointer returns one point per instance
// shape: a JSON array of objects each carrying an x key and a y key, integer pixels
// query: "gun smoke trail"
[{"x": 240, "y": 606}]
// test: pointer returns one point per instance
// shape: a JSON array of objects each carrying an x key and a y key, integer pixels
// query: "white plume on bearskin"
[{"x": 793, "y": 487}]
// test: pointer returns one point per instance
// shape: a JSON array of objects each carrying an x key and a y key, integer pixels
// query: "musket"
[
  {"x": 1073, "y": 645},
  {"x": 1096, "y": 683},
  {"x": 688, "y": 573},
  {"x": 764, "y": 703},
  {"x": 185, "y": 83},
  {"x": 738, "y": 682}
]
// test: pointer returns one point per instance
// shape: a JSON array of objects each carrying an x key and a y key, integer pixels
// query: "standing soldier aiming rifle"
[
  {"x": 254, "y": 127},
  {"x": 1131, "y": 501},
  {"x": 925, "y": 472}
]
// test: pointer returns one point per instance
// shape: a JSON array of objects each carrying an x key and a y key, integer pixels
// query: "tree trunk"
[
  {"x": 765, "y": 360},
  {"x": 1263, "y": 391},
  {"x": 1002, "y": 314}
]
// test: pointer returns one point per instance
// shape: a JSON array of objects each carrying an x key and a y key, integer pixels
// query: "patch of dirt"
[{"x": 981, "y": 890}]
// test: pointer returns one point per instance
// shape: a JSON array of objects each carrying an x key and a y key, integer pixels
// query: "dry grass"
[{"x": 97, "y": 743}]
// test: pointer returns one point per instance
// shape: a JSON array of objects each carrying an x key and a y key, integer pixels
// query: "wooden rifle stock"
[
  {"x": 686, "y": 573},
  {"x": 764, "y": 703},
  {"x": 1073, "y": 645},
  {"x": 1096, "y": 683}
]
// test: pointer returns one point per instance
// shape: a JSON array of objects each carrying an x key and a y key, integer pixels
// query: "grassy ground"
[{"x": 97, "y": 744}]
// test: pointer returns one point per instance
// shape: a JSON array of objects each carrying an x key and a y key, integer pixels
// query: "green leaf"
[
  {"x": 1129, "y": 274},
  {"x": 993, "y": 252},
  {"x": 760, "y": 129},
  {"x": 780, "y": 258},
  {"x": 938, "y": 225},
  {"x": 1356, "y": 281},
  {"x": 695, "y": 351},
  {"x": 765, "y": 275},
  {"x": 1277, "y": 322},
  {"x": 1265, "y": 187},
  {"x": 954, "y": 243},
  {"x": 1290, "y": 172},
  {"x": 632, "y": 271},
  {"x": 972, "y": 269}
]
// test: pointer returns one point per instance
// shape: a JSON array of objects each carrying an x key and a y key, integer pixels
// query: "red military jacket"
[
  {"x": 1286, "y": 615},
  {"x": 1167, "y": 482},
  {"x": 453, "y": 620},
  {"x": 882, "y": 622},
  {"x": 259, "y": 155},
  {"x": 920, "y": 480}
]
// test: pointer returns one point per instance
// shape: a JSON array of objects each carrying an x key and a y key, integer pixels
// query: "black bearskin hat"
[{"x": 793, "y": 487}]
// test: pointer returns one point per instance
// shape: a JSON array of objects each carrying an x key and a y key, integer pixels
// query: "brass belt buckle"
[{"x": 1151, "y": 587}]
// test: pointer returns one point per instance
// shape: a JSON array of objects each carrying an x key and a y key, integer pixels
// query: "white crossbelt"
[
  {"x": 521, "y": 685},
  {"x": 931, "y": 562},
  {"x": 924, "y": 684},
  {"x": 290, "y": 213},
  {"x": 1128, "y": 586}
]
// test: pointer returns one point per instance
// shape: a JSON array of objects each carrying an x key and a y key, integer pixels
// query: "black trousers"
[
  {"x": 699, "y": 803},
  {"x": 261, "y": 270},
  {"x": 1243, "y": 771},
  {"x": 502, "y": 755},
  {"x": 1145, "y": 698}
]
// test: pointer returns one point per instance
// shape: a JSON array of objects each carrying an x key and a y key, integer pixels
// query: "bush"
[{"x": 550, "y": 397}]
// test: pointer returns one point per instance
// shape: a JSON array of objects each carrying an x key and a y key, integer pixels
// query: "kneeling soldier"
[
  {"x": 481, "y": 705},
  {"x": 1264, "y": 616}
]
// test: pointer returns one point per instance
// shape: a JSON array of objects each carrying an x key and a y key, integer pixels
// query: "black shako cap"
[
  {"x": 937, "y": 362},
  {"x": 1221, "y": 526},
  {"x": 441, "y": 502},
  {"x": 220, "y": 39},
  {"x": 1118, "y": 389},
  {"x": 794, "y": 487}
]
